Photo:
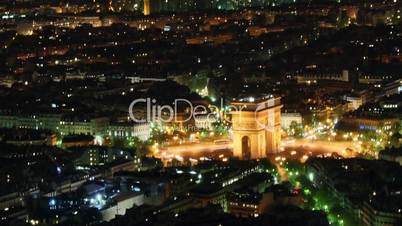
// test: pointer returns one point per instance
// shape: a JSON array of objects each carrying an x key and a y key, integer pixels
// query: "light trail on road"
[{"x": 301, "y": 150}]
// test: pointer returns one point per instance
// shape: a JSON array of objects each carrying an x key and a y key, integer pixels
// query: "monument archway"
[{"x": 256, "y": 128}]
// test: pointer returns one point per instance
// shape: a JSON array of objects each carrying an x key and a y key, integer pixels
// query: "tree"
[
  {"x": 140, "y": 147},
  {"x": 220, "y": 128},
  {"x": 119, "y": 143},
  {"x": 296, "y": 129},
  {"x": 158, "y": 136},
  {"x": 395, "y": 140},
  {"x": 343, "y": 19}
]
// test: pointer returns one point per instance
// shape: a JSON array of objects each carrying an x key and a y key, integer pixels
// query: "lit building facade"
[
  {"x": 373, "y": 215},
  {"x": 246, "y": 205},
  {"x": 41, "y": 121},
  {"x": 147, "y": 7},
  {"x": 288, "y": 118},
  {"x": 126, "y": 130}
]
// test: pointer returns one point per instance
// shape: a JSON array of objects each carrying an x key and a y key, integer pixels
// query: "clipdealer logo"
[{"x": 170, "y": 113}]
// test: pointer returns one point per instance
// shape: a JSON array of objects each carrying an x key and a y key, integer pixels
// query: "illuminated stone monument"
[{"x": 256, "y": 126}]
